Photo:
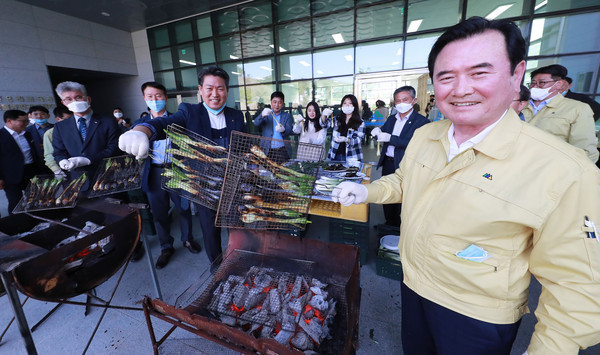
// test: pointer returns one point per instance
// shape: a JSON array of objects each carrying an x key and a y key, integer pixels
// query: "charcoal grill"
[{"x": 337, "y": 265}]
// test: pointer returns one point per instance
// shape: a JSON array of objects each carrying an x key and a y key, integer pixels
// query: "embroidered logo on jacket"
[{"x": 487, "y": 176}]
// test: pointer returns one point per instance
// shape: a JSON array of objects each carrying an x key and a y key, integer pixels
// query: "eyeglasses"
[
  {"x": 540, "y": 84},
  {"x": 68, "y": 100}
]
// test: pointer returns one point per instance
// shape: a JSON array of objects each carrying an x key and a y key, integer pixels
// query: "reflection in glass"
[
  {"x": 255, "y": 14},
  {"x": 259, "y": 71},
  {"x": 183, "y": 31},
  {"x": 167, "y": 78},
  {"x": 583, "y": 69},
  {"x": 204, "y": 27},
  {"x": 191, "y": 99},
  {"x": 256, "y": 94},
  {"x": 235, "y": 71},
  {"x": 293, "y": 36},
  {"x": 186, "y": 55},
  {"x": 497, "y": 9},
  {"x": 542, "y": 6},
  {"x": 158, "y": 37},
  {"x": 161, "y": 59},
  {"x": 236, "y": 98},
  {"x": 172, "y": 103},
  {"x": 207, "y": 52},
  {"x": 295, "y": 66},
  {"x": 333, "y": 29},
  {"x": 292, "y": 9},
  {"x": 229, "y": 47},
  {"x": 227, "y": 21},
  {"x": 366, "y": 2},
  {"x": 329, "y": 92},
  {"x": 331, "y": 62},
  {"x": 563, "y": 34},
  {"x": 380, "y": 20},
  {"x": 379, "y": 56},
  {"x": 428, "y": 14},
  {"x": 258, "y": 42},
  {"x": 189, "y": 78},
  {"x": 297, "y": 93},
  {"x": 417, "y": 50},
  {"x": 322, "y": 6}
]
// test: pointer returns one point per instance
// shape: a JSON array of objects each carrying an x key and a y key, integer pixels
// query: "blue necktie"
[{"x": 82, "y": 127}]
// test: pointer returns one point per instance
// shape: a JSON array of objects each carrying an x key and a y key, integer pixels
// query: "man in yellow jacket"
[
  {"x": 570, "y": 120},
  {"x": 487, "y": 201}
]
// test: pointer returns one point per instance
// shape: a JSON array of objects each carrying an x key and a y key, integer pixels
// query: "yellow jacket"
[
  {"x": 521, "y": 195},
  {"x": 570, "y": 120}
]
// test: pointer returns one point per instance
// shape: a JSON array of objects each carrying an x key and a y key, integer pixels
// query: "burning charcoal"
[
  {"x": 261, "y": 318},
  {"x": 298, "y": 304},
  {"x": 267, "y": 330},
  {"x": 318, "y": 302},
  {"x": 282, "y": 284},
  {"x": 255, "y": 297},
  {"x": 297, "y": 286},
  {"x": 319, "y": 291},
  {"x": 249, "y": 317},
  {"x": 317, "y": 283},
  {"x": 302, "y": 341},
  {"x": 228, "y": 320},
  {"x": 287, "y": 329},
  {"x": 263, "y": 280},
  {"x": 274, "y": 301},
  {"x": 240, "y": 293},
  {"x": 310, "y": 313},
  {"x": 313, "y": 328}
]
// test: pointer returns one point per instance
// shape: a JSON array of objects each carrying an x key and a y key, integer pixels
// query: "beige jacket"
[
  {"x": 570, "y": 120},
  {"x": 522, "y": 196}
]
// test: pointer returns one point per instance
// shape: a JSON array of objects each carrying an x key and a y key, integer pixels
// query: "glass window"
[
  {"x": 236, "y": 98},
  {"x": 295, "y": 66},
  {"x": 556, "y": 5},
  {"x": 172, "y": 104},
  {"x": 417, "y": 50},
  {"x": 583, "y": 69},
  {"x": 366, "y": 2},
  {"x": 292, "y": 9},
  {"x": 497, "y": 9},
  {"x": 293, "y": 36},
  {"x": 229, "y": 48},
  {"x": 158, "y": 37},
  {"x": 167, "y": 78},
  {"x": 236, "y": 73},
  {"x": 189, "y": 78},
  {"x": 379, "y": 56},
  {"x": 257, "y": 42},
  {"x": 227, "y": 21},
  {"x": 191, "y": 99},
  {"x": 204, "y": 27},
  {"x": 161, "y": 59},
  {"x": 183, "y": 31},
  {"x": 564, "y": 34},
  {"x": 259, "y": 71},
  {"x": 322, "y": 6},
  {"x": 428, "y": 14},
  {"x": 207, "y": 52},
  {"x": 332, "y": 62},
  {"x": 297, "y": 93},
  {"x": 256, "y": 94},
  {"x": 186, "y": 55},
  {"x": 329, "y": 92},
  {"x": 334, "y": 29},
  {"x": 256, "y": 14},
  {"x": 380, "y": 20}
]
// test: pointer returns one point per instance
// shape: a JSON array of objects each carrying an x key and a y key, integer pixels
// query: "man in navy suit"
[
  {"x": 82, "y": 141},
  {"x": 39, "y": 115},
  {"x": 278, "y": 125},
  {"x": 18, "y": 161},
  {"x": 211, "y": 119},
  {"x": 395, "y": 135}
]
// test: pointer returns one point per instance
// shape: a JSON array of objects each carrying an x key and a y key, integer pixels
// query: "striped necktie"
[{"x": 82, "y": 127}]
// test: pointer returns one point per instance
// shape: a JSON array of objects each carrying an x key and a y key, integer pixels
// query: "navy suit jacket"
[
  {"x": 12, "y": 160},
  {"x": 38, "y": 140},
  {"x": 101, "y": 141},
  {"x": 400, "y": 142},
  {"x": 195, "y": 118}
]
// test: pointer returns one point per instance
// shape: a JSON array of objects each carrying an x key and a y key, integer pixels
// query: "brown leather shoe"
[{"x": 164, "y": 257}]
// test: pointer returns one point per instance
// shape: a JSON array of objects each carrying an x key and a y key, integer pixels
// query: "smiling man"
[
  {"x": 211, "y": 119},
  {"x": 488, "y": 200}
]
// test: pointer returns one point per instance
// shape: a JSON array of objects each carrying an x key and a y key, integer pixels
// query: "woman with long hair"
[
  {"x": 313, "y": 128},
  {"x": 348, "y": 132}
]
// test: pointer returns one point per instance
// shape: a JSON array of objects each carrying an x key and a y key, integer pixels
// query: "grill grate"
[
  {"x": 46, "y": 192},
  {"x": 266, "y": 186},
  {"x": 197, "y": 167},
  {"x": 116, "y": 174}
]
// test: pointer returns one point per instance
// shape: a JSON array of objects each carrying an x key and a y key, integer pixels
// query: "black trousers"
[
  {"x": 210, "y": 233},
  {"x": 14, "y": 192},
  {"x": 391, "y": 211}
]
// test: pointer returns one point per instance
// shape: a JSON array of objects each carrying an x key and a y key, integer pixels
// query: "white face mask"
[
  {"x": 347, "y": 109},
  {"x": 78, "y": 106},
  {"x": 538, "y": 94},
  {"x": 403, "y": 107},
  {"x": 118, "y": 115}
]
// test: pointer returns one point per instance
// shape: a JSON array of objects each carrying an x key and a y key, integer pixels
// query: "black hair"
[
  {"x": 569, "y": 80},
  {"x": 524, "y": 94},
  {"x": 355, "y": 120},
  {"x": 60, "y": 110},
  {"x": 156, "y": 85},
  {"x": 317, "y": 121},
  {"x": 557, "y": 71},
  {"x": 407, "y": 88},
  {"x": 278, "y": 94},
  {"x": 38, "y": 108},
  {"x": 13, "y": 114},
  {"x": 515, "y": 44},
  {"x": 214, "y": 71},
  {"x": 118, "y": 108},
  {"x": 379, "y": 103},
  {"x": 145, "y": 113}
]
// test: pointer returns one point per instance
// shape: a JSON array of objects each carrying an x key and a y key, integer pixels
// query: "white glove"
[
  {"x": 384, "y": 137},
  {"x": 348, "y": 193},
  {"x": 299, "y": 118},
  {"x": 65, "y": 164},
  {"x": 327, "y": 112},
  {"x": 376, "y": 131},
  {"x": 267, "y": 111},
  {"x": 79, "y": 161},
  {"x": 341, "y": 139},
  {"x": 279, "y": 128},
  {"x": 135, "y": 143},
  {"x": 59, "y": 174}
]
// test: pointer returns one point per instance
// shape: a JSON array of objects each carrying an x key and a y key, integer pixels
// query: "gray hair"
[
  {"x": 70, "y": 86},
  {"x": 409, "y": 89}
]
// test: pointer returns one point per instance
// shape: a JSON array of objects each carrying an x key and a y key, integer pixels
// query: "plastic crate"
[
  {"x": 388, "y": 264},
  {"x": 350, "y": 233}
]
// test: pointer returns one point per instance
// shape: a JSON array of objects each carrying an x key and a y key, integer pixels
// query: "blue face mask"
[
  {"x": 41, "y": 121},
  {"x": 157, "y": 105},
  {"x": 214, "y": 112}
]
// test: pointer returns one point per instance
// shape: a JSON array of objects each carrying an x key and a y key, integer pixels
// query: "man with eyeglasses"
[
  {"x": 18, "y": 160},
  {"x": 569, "y": 120},
  {"x": 82, "y": 141}
]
